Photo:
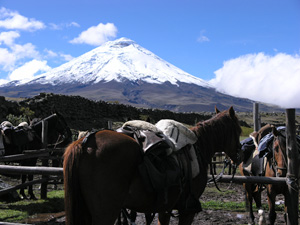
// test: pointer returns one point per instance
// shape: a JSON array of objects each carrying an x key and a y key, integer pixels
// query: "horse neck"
[{"x": 211, "y": 139}]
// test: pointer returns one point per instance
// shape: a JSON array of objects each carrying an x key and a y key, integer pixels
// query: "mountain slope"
[
  {"x": 123, "y": 71},
  {"x": 116, "y": 60}
]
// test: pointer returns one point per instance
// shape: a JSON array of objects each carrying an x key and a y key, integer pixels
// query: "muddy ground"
[{"x": 207, "y": 216}]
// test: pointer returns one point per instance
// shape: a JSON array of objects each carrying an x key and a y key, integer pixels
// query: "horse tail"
[{"x": 75, "y": 207}]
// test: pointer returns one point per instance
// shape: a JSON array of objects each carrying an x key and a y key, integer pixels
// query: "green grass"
[
  {"x": 230, "y": 206},
  {"x": 245, "y": 132},
  {"x": 18, "y": 211},
  {"x": 234, "y": 206}
]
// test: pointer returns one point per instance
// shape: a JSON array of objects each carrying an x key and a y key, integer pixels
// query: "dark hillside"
[{"x": 82, "y": 114}]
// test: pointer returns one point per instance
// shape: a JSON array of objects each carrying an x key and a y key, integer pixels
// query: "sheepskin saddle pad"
[
  {"x": 148, "y": 136},
  {"x": 181, "y": 136}
]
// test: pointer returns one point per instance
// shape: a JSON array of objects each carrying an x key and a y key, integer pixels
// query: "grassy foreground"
[{"x": 21, "y": 210}]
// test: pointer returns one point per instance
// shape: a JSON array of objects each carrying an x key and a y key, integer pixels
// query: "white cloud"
[
  {"x": 96, "y": 35},
  {"x": 263, "y": 78},
  {"x": 14, "y": 52},
  {"x": 29, "y": 70},
  {"x": 25, "y": 51},
  {"x": 8, "y": 38},
  {"x": 13, "y": 20},
  {"x": 202, "y": 37},
  {"x": 3, "y": 81},
  {"x": 61, "y": 26},
  {"x": 52, "y": 54},
  {"x": 66, "y": 57},
  {"x": 7, "y": 59}
]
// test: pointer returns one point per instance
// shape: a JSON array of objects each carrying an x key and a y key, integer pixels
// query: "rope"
[{"x": 215, "y": 180}]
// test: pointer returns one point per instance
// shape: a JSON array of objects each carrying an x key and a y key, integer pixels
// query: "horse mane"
[{"x": 214, "y": 133}]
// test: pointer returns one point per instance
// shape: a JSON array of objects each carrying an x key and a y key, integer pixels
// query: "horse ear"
[
  {"x": 216, "y": 109},
  {"x": 275, "y": 131},
  {"x": 231, "y": 112}
]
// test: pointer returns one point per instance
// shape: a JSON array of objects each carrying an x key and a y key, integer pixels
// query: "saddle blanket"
[
  {"x": 179, "y": 134},
  {"x": 176, "y": 132}
]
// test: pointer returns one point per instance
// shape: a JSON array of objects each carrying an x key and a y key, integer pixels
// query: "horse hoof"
[
  {"x": 32, "y": 197},
  {"x": 23, "y": 197}
]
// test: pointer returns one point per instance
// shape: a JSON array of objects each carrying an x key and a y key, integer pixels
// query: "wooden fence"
[{"x": 48, "y": 173}]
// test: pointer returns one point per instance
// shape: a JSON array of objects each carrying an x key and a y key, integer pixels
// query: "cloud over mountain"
[{"x": 264, "y": 78}]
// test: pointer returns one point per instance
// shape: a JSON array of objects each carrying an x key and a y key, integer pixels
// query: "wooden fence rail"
[
  {"x": 59, "y": 172},
  {"x": 34, "y": 170}
]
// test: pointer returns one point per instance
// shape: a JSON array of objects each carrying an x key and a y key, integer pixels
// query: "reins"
[{"x": 219, "y": 177}]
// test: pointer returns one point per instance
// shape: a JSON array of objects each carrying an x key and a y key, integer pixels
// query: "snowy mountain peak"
[{"x": 117, "y": 60}]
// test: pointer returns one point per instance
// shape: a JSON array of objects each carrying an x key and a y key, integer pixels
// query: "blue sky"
[{"x": 200, "y": 37}]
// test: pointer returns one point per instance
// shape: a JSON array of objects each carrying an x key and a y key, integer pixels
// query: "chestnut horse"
[
  {"x": 102, "y": 177},
  {"x": 276, "y": 166}
]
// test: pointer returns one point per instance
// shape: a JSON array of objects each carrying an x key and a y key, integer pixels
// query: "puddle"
[{"x": 44, "y": 217}]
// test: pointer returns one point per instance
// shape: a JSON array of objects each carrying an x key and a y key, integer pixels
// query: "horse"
[
  {"x": 101, "y": 175},
  {"x": 252, "y": 191},
  {"x": 275, "y": 166},
  {"x": 25, "y": 137}
]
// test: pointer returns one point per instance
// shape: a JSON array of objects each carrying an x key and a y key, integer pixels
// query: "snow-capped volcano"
[
  {"x": 117, "y": 60},
  {"x": 122, "y": 71}
]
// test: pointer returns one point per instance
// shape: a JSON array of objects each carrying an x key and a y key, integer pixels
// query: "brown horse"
[
  {"x": 102, "y": 177},
  {"x": 275, "y": 166},
  {"x": 253, "y": 191}
]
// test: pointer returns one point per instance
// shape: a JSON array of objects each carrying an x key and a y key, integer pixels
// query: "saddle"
[
  {"x": 169, "y": 158},
  {"x": 159, "y": 168}
]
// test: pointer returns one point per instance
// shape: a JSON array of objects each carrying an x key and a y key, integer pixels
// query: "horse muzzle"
[{"x": 281, "y": 172}]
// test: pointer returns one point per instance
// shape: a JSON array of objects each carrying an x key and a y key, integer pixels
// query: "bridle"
[
  {"x": 274, "y": 163},
  {"x": 226, "y": 163}
]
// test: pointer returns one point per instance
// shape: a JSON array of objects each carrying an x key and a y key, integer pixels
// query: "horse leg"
[
  {"x": 257, "y": 198},
  {"x": 149, "y": 218},
  {"x": 271, "y": 201},
  {"x": 163, "y": 219},
  {"x": 123, "y": 218},
  {"x": 30, "y": 189},
  {"x": 186, "y": 218},
  {"x": 22, "y": 192},
  {"x": 249, "y": 199}
]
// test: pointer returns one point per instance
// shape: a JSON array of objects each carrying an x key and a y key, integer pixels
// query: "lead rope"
[{"x": 216, "y": 179}]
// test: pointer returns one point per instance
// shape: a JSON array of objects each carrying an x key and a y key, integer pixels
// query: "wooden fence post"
[
  {"x": 109, "y": 124},
  {"x": 44, "y": 161},
  {"x": 292, "y": 198},
  {"x": 256, "y": 120}
]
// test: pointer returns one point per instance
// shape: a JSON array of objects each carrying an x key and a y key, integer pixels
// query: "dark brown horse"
[
  {"x": 16, "y": 140},
  {"x": 275, "y": 166},
  {"x": 102, "y": 177}
]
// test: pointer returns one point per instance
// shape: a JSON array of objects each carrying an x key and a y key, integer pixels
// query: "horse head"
[
  {"x": 7, "y": 130},
  {"x": 58, "y": 130},
  {"x": 279, "y": 160},
  {"x": 233, "y": 131}
]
